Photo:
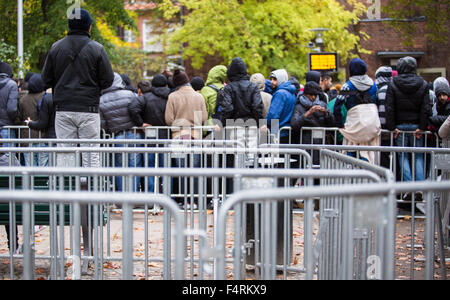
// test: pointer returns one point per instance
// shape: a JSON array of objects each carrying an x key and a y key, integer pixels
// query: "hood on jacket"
[
  {"x": 117, "y": 84},
  {"x": 441, "y": 86},
  {"x": 280, "y": 75},
  {"x": 259, "y": 80},
  {"x": 36, "y": 84},
  {"x": 287, "y": 86},
  {"x": 217, "y": 74},
  {"x": 4, "y": 80},
  {"x": 161, "y": 91},
  {"x": 362, "y": 82},
  {"x": 407, "y": 65},
  {"x": 237, "y": 70},
  {"x": 409, "y": 83}
]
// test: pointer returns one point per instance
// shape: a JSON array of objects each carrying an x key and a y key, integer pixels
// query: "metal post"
[{"x": 20, "y": 35}]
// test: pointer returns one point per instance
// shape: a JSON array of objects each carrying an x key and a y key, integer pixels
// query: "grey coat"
[
  {"x": 113, "y": 108},
  {"x": 9, "y": 92}
]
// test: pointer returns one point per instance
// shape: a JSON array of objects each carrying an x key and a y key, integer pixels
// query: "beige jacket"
[
  {"x": 444, "y": 131},
  {"x": 186, "y": 108}
]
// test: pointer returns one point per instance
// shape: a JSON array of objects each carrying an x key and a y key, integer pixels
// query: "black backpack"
[
  {"x": 360, "y": 97},
  {"x": 220, "y": 96}
]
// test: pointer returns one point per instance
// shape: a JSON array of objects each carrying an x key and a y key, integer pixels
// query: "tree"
[
  {"x": 45, "y": 22},
  {"x": 435, "y": 13},
  {"x": 8, "y": 54},
  {"x": 267, "y": 34}
]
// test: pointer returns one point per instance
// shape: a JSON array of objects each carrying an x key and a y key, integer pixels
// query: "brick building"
[{"x": 385, "y": 43}]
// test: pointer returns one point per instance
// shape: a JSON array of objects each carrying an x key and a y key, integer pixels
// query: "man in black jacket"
[
  {"x": 241, "y": 104},
  {"x": 78, "y": 69},
  {"x": 408, "y": 109},
  {"x": 149, "y": 111}
]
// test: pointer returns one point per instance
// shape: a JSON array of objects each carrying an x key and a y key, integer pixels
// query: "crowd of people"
[{"x": 87, "y": 95}]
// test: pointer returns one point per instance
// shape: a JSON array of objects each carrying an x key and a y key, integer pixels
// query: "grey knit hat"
[{"x": 441, "y": 86}]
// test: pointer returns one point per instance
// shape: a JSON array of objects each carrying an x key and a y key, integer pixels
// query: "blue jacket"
[{"x": 282, "y": 106}]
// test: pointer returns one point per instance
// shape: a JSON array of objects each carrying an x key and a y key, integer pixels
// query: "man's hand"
[
  {"x": 315, "y": 108},
  {"x": 264, "y": 129},
  {"x": 146, "y": 125},
  {"x": 396, "y": 133},
  {"x": 418, "y": 133},
  {"x": 27, "y": 121}
]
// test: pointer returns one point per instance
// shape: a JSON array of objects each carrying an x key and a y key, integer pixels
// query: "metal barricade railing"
[
  {"x": 332, "y": 136},
  {"x": 243, "y": 178},
  {"x": 331, "y": 216},
  {"x": 365, "y": 205},
  {"x": 58, "y": 243}
]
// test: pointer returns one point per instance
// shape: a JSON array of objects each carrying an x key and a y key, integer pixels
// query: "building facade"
[{"x": 385, "y": 43}]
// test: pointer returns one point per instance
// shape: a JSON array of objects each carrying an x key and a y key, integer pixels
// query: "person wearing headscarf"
[{"x": 359, "y": 95}]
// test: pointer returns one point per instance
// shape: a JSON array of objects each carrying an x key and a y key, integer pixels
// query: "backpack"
[
  {"x": 360, "y": 97},
  {"x": 220, "y": 96}
]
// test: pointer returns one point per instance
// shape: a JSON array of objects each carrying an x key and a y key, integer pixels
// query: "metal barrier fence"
[
  {"x": 98, "y": 201},
  {"x": 194, "y": 256},
  {"x": 332, "y": 136},
  {"x": 366, "y": 205},
  {"x": 333, "y": 222}
]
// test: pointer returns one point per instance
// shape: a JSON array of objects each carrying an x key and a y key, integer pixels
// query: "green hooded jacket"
[{"x": 216, "y": 77}]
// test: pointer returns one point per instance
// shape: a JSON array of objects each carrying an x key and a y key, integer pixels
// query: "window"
[
  {"x": 129, "y": 36},
  {"x": 151, "y": 40},
  {"x": 430, "y": 74}
]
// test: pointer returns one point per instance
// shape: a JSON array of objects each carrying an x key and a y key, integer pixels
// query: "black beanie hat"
[
  {"x": 28, "y": 76},
  {"x": 197, "y": 83},
  {"x": 313, "y": 76},
  {"x": 159, "y": 80},
  {"x": 80, "y": 19},
  {"x": 357, "y": 67},
  {"x": 36, "y": 84},
  {"x": 312, "y": 88},
  {"x": 6, "y": 69},
  {"x": 180, "y": 78}
]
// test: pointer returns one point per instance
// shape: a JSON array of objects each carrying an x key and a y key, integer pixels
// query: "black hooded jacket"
[
  {"x": 242, "y": 98},
  {"x": 151, "y": 108},
  {"x": 407, "y": 98},
  {"x": 77, "y": 69}
]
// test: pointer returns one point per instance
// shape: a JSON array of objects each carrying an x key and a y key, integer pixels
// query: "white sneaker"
[
  {"x": 421, "y": 206},
  {"x": 188, "y": 206}
]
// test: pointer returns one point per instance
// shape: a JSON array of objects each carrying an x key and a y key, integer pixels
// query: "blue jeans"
[
  {"x": 151, "y": 163},
  {"x": 36, "y": 159},
  {"x": 409, "y": 140},
  {"x": 8, "y": 134},
  {"x": 186, "y": 163},
  {"x": 134, "y": 159}
]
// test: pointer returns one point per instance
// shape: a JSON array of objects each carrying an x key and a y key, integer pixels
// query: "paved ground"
[{"x": 113, "y": 270}]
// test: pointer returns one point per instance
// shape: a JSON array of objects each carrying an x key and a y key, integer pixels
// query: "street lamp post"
[
  {"x": 20, "y": 35},
  {"x": 319, "y": 39}
]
